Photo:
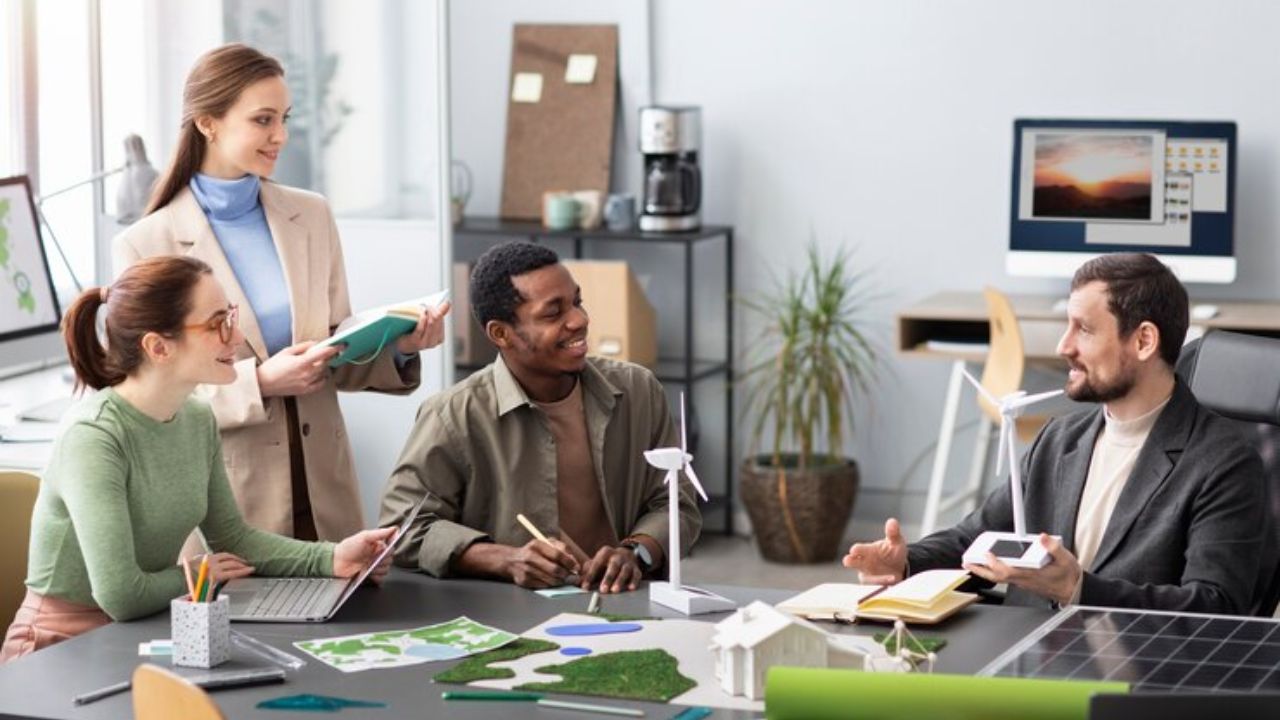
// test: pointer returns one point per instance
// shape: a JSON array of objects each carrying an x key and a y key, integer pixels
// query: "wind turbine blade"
[
  {"x": 981, "y": 390},
  {"x": 697, "y": 484},
  {"x": 1032, "y": 399}
]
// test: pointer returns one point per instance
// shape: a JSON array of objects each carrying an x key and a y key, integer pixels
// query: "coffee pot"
[{"x": 669, "y": 139}]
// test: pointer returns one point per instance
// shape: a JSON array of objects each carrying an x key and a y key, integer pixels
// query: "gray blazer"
[{"x": 1188, "y": 530}]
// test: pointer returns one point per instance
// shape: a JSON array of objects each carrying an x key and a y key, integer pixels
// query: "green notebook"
[{"x": 366, "y": 334}]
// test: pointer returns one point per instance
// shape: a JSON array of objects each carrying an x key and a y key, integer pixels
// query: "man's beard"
[{"x": 1095, "y": 393}]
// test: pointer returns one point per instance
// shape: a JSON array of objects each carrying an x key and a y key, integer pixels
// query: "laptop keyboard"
[{"x": 294, "y": 597}]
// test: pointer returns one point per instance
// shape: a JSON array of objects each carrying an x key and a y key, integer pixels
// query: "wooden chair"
[
  {"x": 18, "y": 490},
  {"x": 1002, "y": 373},
  {"x": 159, "y": 694}
]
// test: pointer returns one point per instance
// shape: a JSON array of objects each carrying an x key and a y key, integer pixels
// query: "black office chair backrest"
[
  {"x": 1238, "y": 376},
  {"x": 1235, "y": 375}
]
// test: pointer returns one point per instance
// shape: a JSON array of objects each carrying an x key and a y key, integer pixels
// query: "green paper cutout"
[
  {"x": 477, "y": 667},
  {"x": 922, "y": 646},
  {"x": 617, "y": 617},
  {"x": 651, "y": 675}
]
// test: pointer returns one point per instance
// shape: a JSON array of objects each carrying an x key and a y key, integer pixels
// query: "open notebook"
[
  {"x": 365, "y": 334},
  {"x": 924, "y": 598}
]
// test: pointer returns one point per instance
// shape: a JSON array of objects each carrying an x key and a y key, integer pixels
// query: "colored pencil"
[
  {"x": 200, "y": 579},
  {"x": 584, "y": 707},
  {"x": 490, "y": 695},
  {"x": 533, "y": 530},
  {"x": 186, "y": 571}
]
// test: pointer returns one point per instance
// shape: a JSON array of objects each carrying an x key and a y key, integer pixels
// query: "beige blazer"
[{"x": 255, "y": 443}]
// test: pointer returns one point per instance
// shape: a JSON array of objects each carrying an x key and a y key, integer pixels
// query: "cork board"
[{"x": 563, "y": 140}]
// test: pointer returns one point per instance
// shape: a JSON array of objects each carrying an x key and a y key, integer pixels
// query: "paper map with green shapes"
[{"x": 400, "y": 648}]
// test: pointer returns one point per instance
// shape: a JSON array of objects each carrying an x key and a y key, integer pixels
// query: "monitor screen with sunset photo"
[{"x": 1082, "y": 188}]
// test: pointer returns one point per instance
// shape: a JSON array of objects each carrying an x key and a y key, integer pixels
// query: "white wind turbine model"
[
  {"x": 685, "y": 599},
  {"x": 1017, "y": 549}
]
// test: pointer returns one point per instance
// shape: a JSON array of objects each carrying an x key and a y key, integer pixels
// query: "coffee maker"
[{"x": 669, "y": 138}]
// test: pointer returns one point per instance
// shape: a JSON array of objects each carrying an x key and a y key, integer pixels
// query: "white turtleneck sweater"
[{"x": 1114, "y": 454}]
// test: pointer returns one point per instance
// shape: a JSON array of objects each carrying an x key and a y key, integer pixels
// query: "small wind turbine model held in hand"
[
  {"x": 1017, "y": 549},
  {"x": 688, "y": 600}
]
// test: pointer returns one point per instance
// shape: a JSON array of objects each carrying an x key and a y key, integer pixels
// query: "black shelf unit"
[{"x": 680, "y": 369}]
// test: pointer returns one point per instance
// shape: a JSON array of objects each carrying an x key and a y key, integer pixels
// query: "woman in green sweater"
[{"x": 139, "y": 465}]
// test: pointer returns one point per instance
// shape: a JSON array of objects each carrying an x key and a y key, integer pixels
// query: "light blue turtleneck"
[{"x": 234, "y": 210}]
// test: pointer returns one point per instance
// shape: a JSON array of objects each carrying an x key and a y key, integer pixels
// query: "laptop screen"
[{"x": 395, "y": 540}]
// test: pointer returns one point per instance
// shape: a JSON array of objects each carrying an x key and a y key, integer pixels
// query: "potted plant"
[{"x": 807, "y": 366}]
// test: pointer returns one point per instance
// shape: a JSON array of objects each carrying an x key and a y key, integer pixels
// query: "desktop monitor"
[
  {"x": 29, "y": 311},
  {"x": 1086, "y": 187}
]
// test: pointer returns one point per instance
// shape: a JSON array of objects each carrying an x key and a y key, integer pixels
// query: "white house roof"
[{"x": 755, "y": 623}]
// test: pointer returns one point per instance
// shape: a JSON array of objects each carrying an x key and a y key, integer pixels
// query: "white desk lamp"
[{"x": 131, "y": 200}]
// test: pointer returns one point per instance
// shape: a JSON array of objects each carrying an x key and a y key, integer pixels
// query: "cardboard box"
[
  {"x": 623, "y": 323},
  {"x": 470, "y": 345}
]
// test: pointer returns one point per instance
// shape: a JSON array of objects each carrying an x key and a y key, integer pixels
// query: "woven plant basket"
[{"x": 798, "y": 516}]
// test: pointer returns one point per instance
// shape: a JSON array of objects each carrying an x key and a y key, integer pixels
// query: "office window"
[
  {"x": 65, "y": 133},
  {"x": 10, "y": 89},
  {"x": 126, "y": 106},
  {"x": 363, "y": 82}
]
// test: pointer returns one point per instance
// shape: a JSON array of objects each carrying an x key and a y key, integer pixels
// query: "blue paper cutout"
[{"x": 592, "y": 629}]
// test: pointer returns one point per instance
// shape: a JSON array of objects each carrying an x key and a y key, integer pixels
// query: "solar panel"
[{"x": 1150, "y": 650}]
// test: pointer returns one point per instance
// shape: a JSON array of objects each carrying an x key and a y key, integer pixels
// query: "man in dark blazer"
[{"x": 1164, "y": 499}]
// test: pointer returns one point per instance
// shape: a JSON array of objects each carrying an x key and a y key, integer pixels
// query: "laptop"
[{"x": 303, "y": 599}]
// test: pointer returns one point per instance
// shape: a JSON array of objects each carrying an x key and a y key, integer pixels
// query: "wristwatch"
[{"x": 643, "y": 558}]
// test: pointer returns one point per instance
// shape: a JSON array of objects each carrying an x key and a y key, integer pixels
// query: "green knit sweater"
[{"x": 120, "y": 496}]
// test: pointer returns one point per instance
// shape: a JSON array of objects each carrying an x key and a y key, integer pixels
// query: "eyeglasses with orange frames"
[{"x": 223, "y": 322}]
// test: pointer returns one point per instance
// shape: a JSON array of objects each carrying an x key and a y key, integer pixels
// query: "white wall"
[
  {"x": 887, "y": 126},
  {"x": 388, "y": 261},
  {"x": 480, "y": 68}
]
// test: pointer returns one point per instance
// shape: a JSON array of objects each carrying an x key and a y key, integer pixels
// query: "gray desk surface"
[{"x": 42, "y": 684}]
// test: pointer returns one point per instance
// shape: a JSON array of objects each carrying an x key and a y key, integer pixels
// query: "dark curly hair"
[{"x": 493, "y": 296}]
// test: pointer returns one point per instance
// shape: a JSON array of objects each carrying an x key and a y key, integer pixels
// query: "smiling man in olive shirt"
[{"x": 544, "y": 431}]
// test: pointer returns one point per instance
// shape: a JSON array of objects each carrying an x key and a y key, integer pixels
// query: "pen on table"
[
  {"x": 490, "y": 695},
  {"x": 102, "y": 692},
  {"x": 584, "y": 707}
]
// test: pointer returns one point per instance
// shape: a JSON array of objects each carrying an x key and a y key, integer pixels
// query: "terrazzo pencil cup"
[{"x": 201, "y": 632}]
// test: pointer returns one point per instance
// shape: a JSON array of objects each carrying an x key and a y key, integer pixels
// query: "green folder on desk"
[{"x": 366, "y": 334}]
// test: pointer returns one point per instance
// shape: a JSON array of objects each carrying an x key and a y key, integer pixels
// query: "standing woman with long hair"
[
  {"x": 276, "y": 251},
  {"x": 138, "y": 465}
]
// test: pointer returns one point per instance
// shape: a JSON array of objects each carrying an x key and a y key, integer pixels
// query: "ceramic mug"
[
  {"x": 620, "y": 211},
  {"x": 589, "y": 202},
  {"x": 559, "y": 211}
]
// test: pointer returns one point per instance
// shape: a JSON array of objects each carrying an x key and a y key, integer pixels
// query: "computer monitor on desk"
[
  {"x": 29, "y": 310},
  {"x": 1086, "y": 187}
]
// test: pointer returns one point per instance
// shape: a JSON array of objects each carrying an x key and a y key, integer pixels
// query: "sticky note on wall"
[
  {"x": 580, "y": 70},
  {"x": 527, "y": 88}
]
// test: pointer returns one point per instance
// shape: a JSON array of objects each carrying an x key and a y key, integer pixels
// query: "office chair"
[
  {"x": 18, "y": 491},
  {"x": 1238, "y": 376},
  {"x": 159, "y": 694},
  {"x": 1002, "y": 373}
]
